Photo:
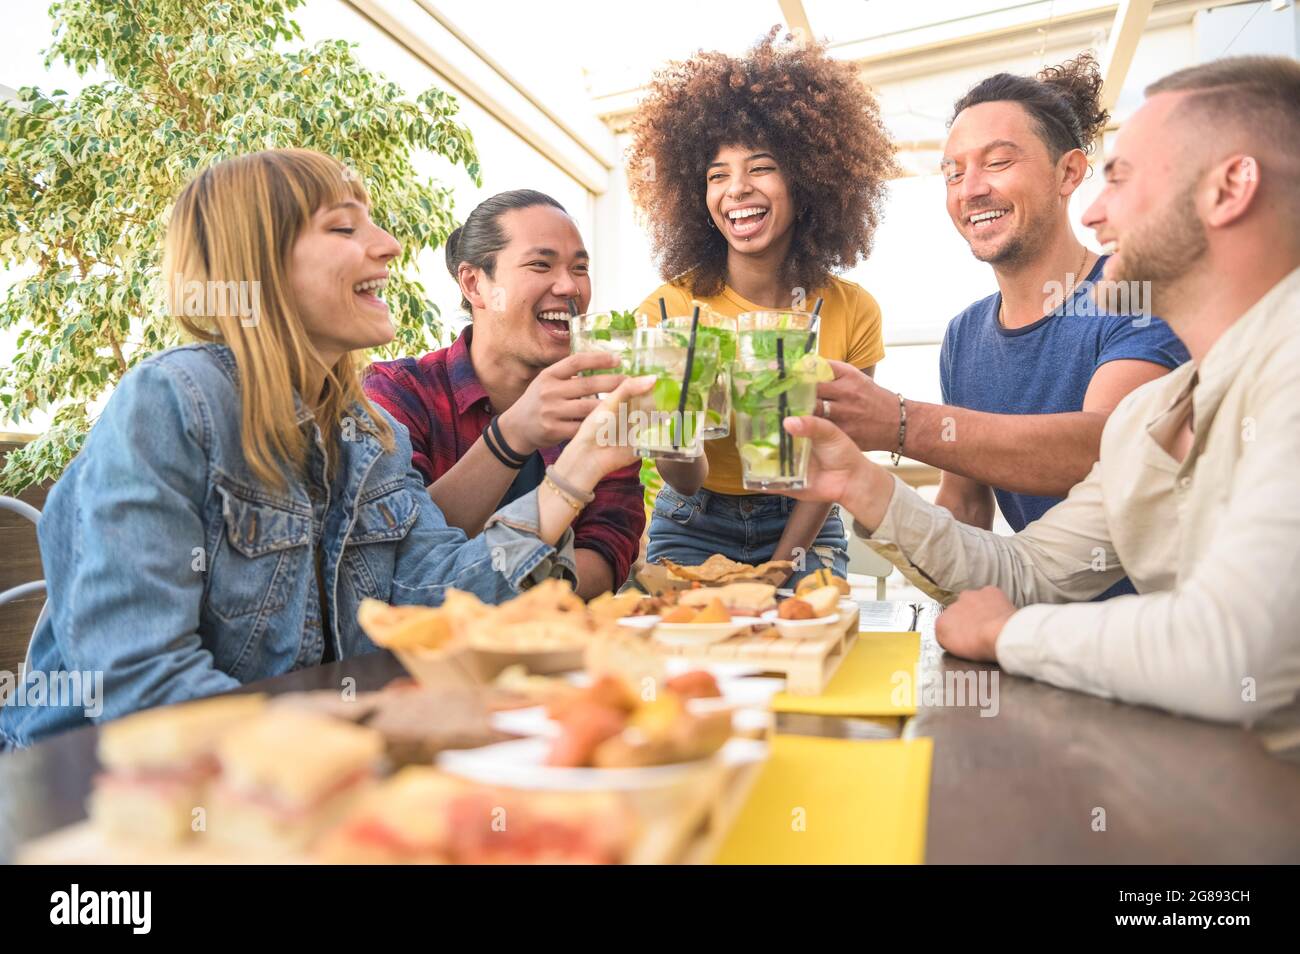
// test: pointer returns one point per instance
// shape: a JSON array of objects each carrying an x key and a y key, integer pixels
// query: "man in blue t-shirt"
[{"x": 1029, "y": 374}]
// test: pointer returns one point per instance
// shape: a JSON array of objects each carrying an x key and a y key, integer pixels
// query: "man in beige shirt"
[{"x": 1196, "y": 497}]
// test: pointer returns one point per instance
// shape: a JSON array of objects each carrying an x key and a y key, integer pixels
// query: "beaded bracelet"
[
  {"x": 559, "y": 492},
  {"x": 897, "y": 455}
]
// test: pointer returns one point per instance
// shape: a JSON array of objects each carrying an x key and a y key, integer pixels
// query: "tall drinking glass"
[
  {"x": 666, "y": 422},
  {"x": 717, "y": 410},
  {"x": 608, "y": 332},
  {"x": 775, "y": 376}
]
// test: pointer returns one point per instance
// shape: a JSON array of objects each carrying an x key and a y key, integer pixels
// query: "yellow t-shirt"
[{"x": 849, "y": 330}]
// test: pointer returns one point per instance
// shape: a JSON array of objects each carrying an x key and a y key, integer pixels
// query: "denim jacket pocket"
[
  {"x": 385, "y": 517},
  {"x": 255, "y": 561}
]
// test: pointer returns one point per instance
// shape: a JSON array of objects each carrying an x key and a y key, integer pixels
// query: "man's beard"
[
  {"x": 1019, "y": 249},
  {"x": 1163, "y": 251}
]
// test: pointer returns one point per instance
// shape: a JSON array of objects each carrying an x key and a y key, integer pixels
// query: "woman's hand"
[
  {"x": 838, "y": 473},
  {"x": 602, "y": 443}
]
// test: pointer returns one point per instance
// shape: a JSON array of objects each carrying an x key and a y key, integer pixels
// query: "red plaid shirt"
[{"x": 439, "y": 399}]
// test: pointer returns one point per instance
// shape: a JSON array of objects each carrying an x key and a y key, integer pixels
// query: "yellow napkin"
[
  {"x": 877, "y": 679},
  {"x": 835, "y": 801}
]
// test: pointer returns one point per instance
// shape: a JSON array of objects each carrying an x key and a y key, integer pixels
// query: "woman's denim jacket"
[{"x": 174, "y": 573}]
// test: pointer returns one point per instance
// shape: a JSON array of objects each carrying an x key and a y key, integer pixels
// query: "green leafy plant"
[{"x": 88, "y": 180}]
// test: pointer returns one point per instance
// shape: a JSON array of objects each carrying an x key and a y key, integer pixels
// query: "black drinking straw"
[
  {"x": 782, "y": 406},
  {"x": 812, "y": 326},
  {"x": 663, "y": 311},
  {"x": 686, "y": 378}
]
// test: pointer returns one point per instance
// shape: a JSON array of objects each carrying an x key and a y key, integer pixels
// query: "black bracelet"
[
  {"x": 505, "y": 461},
  {"x": 504, "y": 447}
]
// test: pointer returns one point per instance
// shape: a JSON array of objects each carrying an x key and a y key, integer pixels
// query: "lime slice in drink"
[
  {"x": 814, "y": 366},
  {"x": 761, "y": 459}
]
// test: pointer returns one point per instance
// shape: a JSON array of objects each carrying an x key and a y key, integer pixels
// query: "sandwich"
[
  {"x": 421, "y": 816},
  {"x": 158, "y": 765},
  {"x": 823, "y": 601},
  {"x": 287, "y": 776},
  {"x": 740, "y": 599},
  {"x": 820, "y": 578},
  {"x": 811, "y": 604},
  {"x": 403, "y": 821}
]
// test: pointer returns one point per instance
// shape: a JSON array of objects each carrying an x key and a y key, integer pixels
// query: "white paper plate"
[
  {"x": 520, "y": 764},
  {"x": 817, "y": 628},
  {"x": 701, "y": 634},
  {"x": 638, "y": 622}
]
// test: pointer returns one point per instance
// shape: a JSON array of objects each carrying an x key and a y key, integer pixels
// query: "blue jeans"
[{"x": 746, "y": 528}]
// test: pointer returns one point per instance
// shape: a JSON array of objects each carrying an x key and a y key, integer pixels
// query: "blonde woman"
[{"x": 239, "y": 497}]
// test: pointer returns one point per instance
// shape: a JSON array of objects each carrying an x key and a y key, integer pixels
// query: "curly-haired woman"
[{"x": 761, "y": 176}]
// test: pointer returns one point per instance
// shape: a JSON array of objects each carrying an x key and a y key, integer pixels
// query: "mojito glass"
[
  {"x": 775, "y": 376},
  {"x": 610, "y": 332},
  {"x": 666, "y": 422},
  {"x": 717, "y": 411}
]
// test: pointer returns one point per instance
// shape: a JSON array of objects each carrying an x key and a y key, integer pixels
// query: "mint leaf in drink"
[
  {"x": 667, "y": 392},
  {"x": 775, "y": 388},
  {"x": 622, "y": 320}
]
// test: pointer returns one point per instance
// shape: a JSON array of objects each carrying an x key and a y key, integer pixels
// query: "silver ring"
[{"x": 826, "y": 408}]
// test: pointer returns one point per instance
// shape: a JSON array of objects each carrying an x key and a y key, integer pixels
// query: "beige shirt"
[{"x": 1212, "y": 545}]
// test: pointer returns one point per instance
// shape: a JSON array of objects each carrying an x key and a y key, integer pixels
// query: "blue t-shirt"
[{"x": 1044, "y": 368}]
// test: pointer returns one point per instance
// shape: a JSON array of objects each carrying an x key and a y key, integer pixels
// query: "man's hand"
[
  {"x": 860, "y": 407},
  {"x": 970, "y": 627},
  {"x": 838, "y": 473},
  {"x": 557, "y": 402},
  {"x": 835, "y": 466},
  {"x": 599, "y": 447}
]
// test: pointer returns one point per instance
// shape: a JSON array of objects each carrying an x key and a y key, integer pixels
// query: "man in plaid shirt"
[{"x": 519, "y": 260}]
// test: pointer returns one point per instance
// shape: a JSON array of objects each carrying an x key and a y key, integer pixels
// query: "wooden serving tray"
[{"x": 807, "y": 664}]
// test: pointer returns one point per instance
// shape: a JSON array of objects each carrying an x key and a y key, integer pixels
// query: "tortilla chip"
[
  {"x": 404, "y": 627},
  {"x": 718, "y": 570}
]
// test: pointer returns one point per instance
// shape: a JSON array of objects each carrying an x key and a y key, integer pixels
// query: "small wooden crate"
[{"x": 807, "y": 664}]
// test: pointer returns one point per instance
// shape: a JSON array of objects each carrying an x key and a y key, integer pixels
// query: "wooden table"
[
  {"x": 1024, "y": 786},
  {"x": 1019, "y": 787}
]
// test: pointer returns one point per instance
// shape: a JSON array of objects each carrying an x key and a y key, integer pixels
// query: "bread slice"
[
  {"x": 295, "y": 757},
  {"x": 288, "y": 776},
  {"x": 173, "y": 737},
  {"x": 740, "y": 599},
  {"x": 823, "y": 600},
  {"x": 133, "y": 811}
]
